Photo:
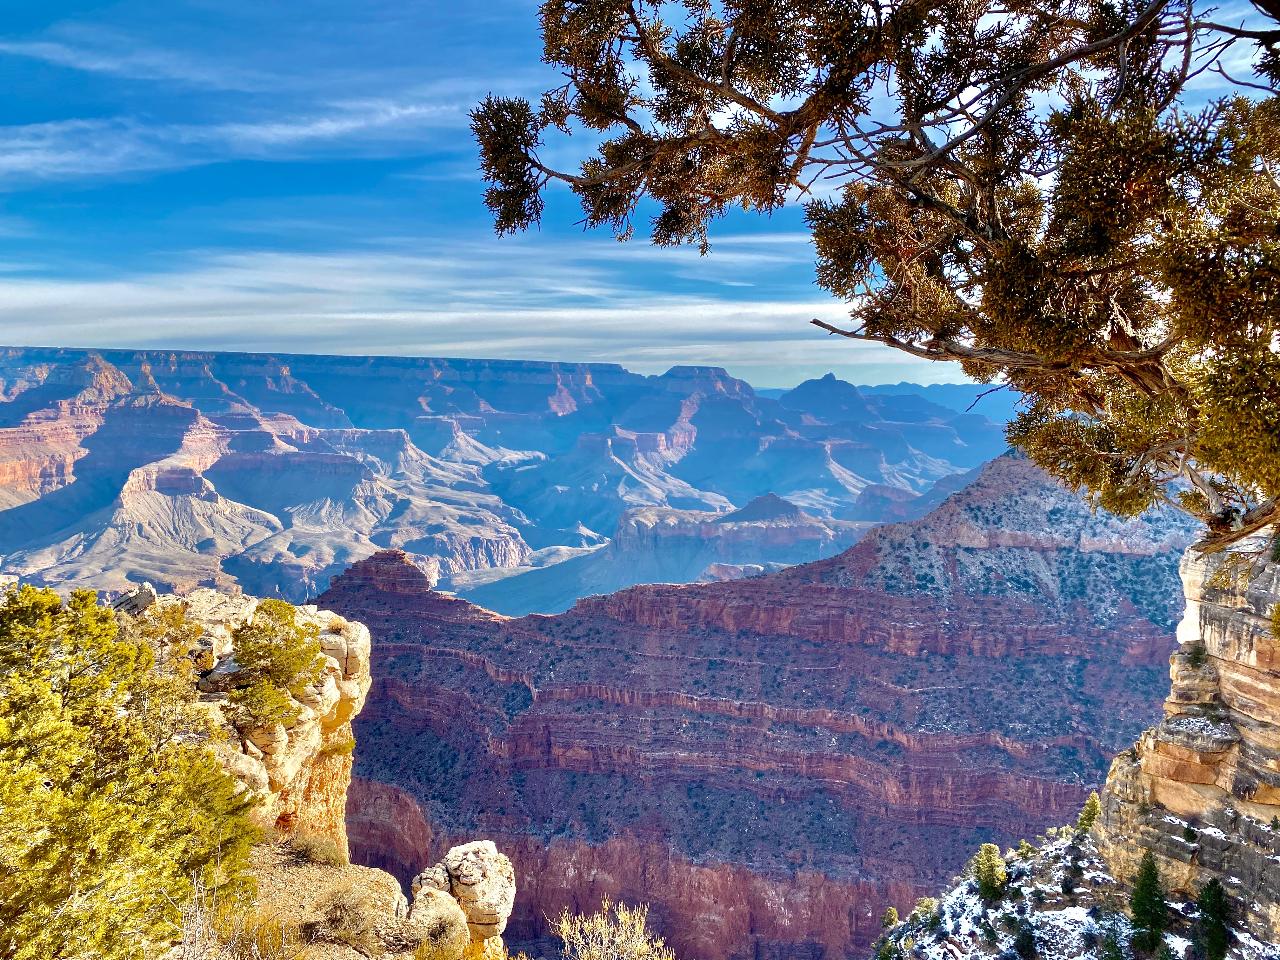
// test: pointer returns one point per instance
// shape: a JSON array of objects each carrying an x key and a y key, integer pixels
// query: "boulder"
[{"x": 480, "y": 879}]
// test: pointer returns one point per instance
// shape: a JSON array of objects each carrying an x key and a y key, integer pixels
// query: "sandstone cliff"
[
  {"x": 1202, "y": 788},
  {"x": 770, "y": 762},
  {"x": 300, "y": 773}
]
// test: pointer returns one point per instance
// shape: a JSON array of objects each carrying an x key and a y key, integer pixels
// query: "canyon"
[
  {"x": 273, "y": 473},
  {"x": 770, "y": 761}
]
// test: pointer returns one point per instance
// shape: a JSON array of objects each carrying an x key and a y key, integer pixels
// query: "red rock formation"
[{"x": 770, "y": 762}]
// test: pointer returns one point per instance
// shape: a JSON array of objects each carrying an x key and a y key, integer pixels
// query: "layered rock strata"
[
  {"x": 770, "y": 762},
  {"x": 1202, "y": 788},
  {"x": 276, "y": 472}
]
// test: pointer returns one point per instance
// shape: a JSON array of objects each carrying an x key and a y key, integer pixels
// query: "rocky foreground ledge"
[{"x": 301, "y": 774}]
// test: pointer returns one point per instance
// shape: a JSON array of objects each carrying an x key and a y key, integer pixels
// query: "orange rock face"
[
  {"x": 769, "y": 762},
  {"x": 1201, "y": 790}
]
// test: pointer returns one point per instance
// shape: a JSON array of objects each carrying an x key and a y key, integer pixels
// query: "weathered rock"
[
  {"x": 136, "y": 601},
  {"x": 1202, "y": 789},
  {"x": 482, "y": 881},
  {"x": 438, "y": 922},
  {"x": 300, "y": 772}
]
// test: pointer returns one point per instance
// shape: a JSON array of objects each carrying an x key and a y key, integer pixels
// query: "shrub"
[
  {"x": 278, "y": 658},
  {"x": 889, "y": 918},
  {"x": 923, "y": 908},
  {"x": 315, "y": 848},
  {"x": 347, "y": 918},
  {"x": 614, "y": 932},
  {"x": 1024, "y": 942},
  {"x": 989, "y": 870},
  {"x": 1089, "y": 813},
  {"x": 1196, "y": 655},
  {"x": 114, "y": 808},
  {"x": 252, "y": 934}
]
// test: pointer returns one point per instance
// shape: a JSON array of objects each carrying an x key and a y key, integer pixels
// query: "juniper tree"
[
  {"x": 989, "y": 871},
  {"x": 113, "y": 804},
  {"x": 1089, "y": 813},
  {"x": 1027, "y": 190},
  {"x": 277, "y": 659}
]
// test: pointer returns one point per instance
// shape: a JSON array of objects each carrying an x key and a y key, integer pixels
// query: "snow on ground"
[{"x": 1061, "y": 897}]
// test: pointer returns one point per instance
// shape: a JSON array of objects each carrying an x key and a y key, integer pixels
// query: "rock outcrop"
[
  {"x": 1202, "y": 788},
  {"x": 483, "y": 883},
  {"x": 769, "y": 762},
  {"x": 300, "y": 772}
]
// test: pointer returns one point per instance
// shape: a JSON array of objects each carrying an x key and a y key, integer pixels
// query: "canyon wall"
[
  {"x": 770, "y": 762},
  {"x": 1201, "y": 789},
  {"x": 276, "y": 472}
]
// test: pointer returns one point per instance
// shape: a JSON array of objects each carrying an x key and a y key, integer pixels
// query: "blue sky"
[
  {"x": 287, "y": 175},
  {"x": 299, "y": 176}
]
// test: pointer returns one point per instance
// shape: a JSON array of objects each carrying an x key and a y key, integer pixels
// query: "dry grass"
[
  {"x": 348, "y": 918},
  {"x": 317, "y": 849},
  {"x": 234, "y": 930},
  {"x": 615, "y": 932}
]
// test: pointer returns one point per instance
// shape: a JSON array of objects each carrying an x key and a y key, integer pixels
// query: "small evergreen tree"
[
  {"x": 1112, "y": 949},
  {"x": 1089, "y": 813},
  {"x": 989, "y": 871},
  {"x": 1148, "y": 906},
  {"x": 278, "y": 658},
  {"x": 1213, "y": 934},
  {"x": 889, "y": 919}
]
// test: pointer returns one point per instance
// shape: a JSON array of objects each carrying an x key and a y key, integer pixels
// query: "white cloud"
[
  {"x": 123, "y": 145},
  {"x": 126, "y": 58},
  {"x": 530, "y": 304}
]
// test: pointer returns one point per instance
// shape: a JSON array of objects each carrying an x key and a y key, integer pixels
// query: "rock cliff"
[
  {"x": 301, "y": 775},
  {"x": 1202, "y": 788},
  {"x": 769, "y": 762},
  {"x": 300, "y": 772}
]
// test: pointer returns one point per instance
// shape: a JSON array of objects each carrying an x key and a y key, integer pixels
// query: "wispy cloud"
[
  {"x": 530, "y": 304},
  {"x": 121, "y": 145}
]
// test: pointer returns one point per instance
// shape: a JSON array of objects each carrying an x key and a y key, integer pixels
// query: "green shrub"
[
  {"x": 989, "y": 871},
  {"x": 114, "y": 808},
  {"x": 1089, "y": 813},
  {"x": 277, "y": 659}
]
